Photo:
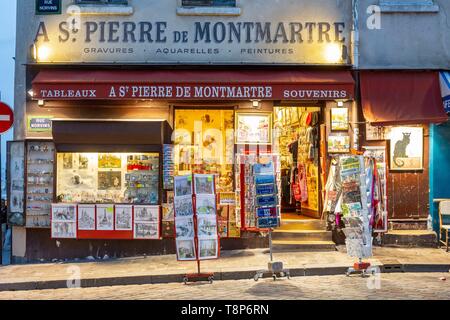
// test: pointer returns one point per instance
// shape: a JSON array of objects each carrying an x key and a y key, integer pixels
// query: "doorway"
[{"x": 298, "y": 141}]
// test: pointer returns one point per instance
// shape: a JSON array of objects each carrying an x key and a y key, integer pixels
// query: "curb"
[{"x": 220, "y": 276}]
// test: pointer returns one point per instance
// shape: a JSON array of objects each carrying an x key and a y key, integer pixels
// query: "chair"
[{"x": 444, "y": 210}]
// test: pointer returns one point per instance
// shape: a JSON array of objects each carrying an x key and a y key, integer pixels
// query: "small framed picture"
[
  {"x": 105, "y": 217},
  {"x": 339, "y": 144},
  {"x": 406, "y": 148},
  {"x": 186, "y": 250},
  {"x": 253, "y": 128},
  {"x": 339, "y": 119},
  {"x": 204, "y": 184},
  {"x": 208, "y": 248},
  {"x": 183, "y": 185},
  {"x": 86, "y": 217},
  {"x": 124, "y": 217}
]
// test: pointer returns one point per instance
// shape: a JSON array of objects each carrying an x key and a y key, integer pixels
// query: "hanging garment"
[{"x": 303, "y": 183}]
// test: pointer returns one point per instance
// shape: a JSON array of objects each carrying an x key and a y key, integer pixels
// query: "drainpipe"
[{"x": 355, "y": 34}]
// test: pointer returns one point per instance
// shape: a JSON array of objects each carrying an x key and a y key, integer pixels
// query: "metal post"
[{"x": 270, "y": 244}]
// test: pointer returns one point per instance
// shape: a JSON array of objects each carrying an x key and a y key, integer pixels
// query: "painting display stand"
[
  {"x": 275, "y": 268},
  {"x": 199, "y": 276}
]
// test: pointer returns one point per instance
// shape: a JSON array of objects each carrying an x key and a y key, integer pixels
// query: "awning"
[
  {"x": 444, "y": 77},
  {"x": 397, "y": 97},
  {"x": 110, "y": 135},
  {"x": 258, "y": 84}
]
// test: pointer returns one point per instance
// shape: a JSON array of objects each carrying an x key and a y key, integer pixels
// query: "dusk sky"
[{"x": 7, "y": 52}]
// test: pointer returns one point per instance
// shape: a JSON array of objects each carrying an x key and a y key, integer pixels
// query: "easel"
[{"x": 275, "y": 269}]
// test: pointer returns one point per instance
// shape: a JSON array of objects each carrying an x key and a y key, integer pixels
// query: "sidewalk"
[{"x": 232, "y": 265}]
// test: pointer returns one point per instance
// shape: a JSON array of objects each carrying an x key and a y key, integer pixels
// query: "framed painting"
[
  {"x": 339, "y": 119},
  {"x": 406, "y": 148},
  {"x": 254, "y": 128}
]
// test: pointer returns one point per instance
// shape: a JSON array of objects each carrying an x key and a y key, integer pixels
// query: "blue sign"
[
  {"x": 445, "y": 89},
  {"x": 265, "y": 189},
  {"x": 48, "y": 7},
  {"x": 266, "y": 212},
  {"x": 267, "y": 222},
  {"x": 266, "y": 200},
  {"x": 264, "y": 179}
]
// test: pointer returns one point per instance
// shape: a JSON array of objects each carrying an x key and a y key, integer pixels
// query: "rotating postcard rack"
[
  {"x": 353, "y": 206},
  {"x": 195, "y": 208}
]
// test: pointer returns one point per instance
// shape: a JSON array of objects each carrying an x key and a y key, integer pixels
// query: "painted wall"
[
  {"x": 413, "y": 37},
  {"x": 439, "y": 167}
]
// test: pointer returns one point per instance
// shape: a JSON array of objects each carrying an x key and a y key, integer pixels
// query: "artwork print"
[
  {"x": 185, "y": 228},
  {"x": 64, "y": 230},
  {"x": 339, "y": 144},
  {"x": 206, "y": 204},
  {"x": 186, "y": 250},
  {"x": 64, "y": 212},
  {"x": 406, "y": 148},
  {"x": 339, "y": 119},
  {"x": 206, "y": 226},
  {"x": 86, "y": 217},
  {"x": 253, "y": 128},
  {"x": 109, "y": 180},
  {"x": 208, "y": 248},
  {"x": 109, "y": 161},
  {"x": 105, "y": 217},
  {"x": 204, "y": 184},
  {"x": 123, "y": 217},
  {"x": 184, "y": 206},
  {"x": 146, "y": 230},
  {"x": 146, "y": 213},
  {"x": 183, "y": 185}
]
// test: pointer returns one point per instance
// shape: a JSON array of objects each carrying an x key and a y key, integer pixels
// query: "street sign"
[
  {"x": 6, "y": 117},
  {"x": 48, "y": 7}
]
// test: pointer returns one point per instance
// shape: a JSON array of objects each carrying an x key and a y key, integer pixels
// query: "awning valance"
[
  {"x": 110, "y": 135},
  {"x": 398, "y": 98},
  {"x": 258, "y": 84}
]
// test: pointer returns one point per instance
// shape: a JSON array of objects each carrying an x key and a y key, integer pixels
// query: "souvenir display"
[
  {"x": 108, "y": 178},
  {"x": 64, "y": 221},
  {"x": 146, "y": 221},
  {"x": 123, "y": 217},
  {"x": 168, "y": 166},
  {"x": 40, "y": 158},
  {"x": 16, "y": 183},
  {"x": 258, "y": 179},
  {"x": 168, "y": 216},
  {"x": 406, "y": 148},
  {"x": 86, "y": 217},
  {"x": 105, "y": 216},
  {"x": 204, "y": 144},
  {"x": 253, "y": 128},
  {"x": 197, "y": 229}
]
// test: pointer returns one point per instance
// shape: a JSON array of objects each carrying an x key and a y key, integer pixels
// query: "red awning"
[
  {"x": 397, "y": 98},
  {"x": 193, "y": 85}
]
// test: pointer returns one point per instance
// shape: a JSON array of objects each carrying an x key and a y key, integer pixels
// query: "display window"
[
  {"x": 108, "y": 178},
  {"x": 204, "y": 144}
]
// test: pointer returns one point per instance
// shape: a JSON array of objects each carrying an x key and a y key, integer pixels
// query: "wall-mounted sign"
[
  {"x": 297, "y": 32},
  {"x": 39, "y": 123},
  {"x": 44, "y": 7}
]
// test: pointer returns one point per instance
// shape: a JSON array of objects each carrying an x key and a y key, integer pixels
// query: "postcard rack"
[{"x": 195, "y": 209}]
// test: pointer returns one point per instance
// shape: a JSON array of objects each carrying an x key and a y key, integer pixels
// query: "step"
[
  {"x": 291, "y": 245},
  {"x": 306, "y": 235},
  {"x": 410, "y": 238},
  {"x": 307, "y": 224}
]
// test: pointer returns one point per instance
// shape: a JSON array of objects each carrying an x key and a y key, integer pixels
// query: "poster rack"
[{"x": 199, "y": 275}]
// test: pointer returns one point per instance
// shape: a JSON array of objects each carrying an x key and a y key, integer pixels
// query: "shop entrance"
[{"x": 298, "y": 140}]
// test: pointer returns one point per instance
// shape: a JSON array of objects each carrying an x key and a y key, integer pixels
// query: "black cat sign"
[{"x": 406, "y": 148}]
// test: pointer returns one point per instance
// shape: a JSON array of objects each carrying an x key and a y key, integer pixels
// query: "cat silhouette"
[{"x": 400, "y": 149}]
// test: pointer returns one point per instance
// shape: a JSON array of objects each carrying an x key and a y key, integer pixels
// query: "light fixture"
[
  {"x": 256, "y": 104},
  {"x": 41, "y": 103},
  {"x": 31, "y": 93},
  {"x": 340, "y": 104},
  {"x": 333, "y": 53},
  {"x": 42, "y": 53}
]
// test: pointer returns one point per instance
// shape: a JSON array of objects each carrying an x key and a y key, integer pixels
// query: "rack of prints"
[
  {"x": 259, "y": 182},
  {"x": 226, "y": 214},
  {"x": 196, "y": 222},
  {"x": 168, "y": 166},
  {"x": 168, "y": 216},
  {"x": 137, "y": 221}
]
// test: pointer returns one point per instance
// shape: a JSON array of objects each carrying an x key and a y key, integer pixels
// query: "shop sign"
[
  {"x": 445, "y": 89},
  {"x": 192, "y": 92},
  {"x": 39, "y": 124},
  {"x": 48, "y": 7},
  {"x": 297, "y": 32}
]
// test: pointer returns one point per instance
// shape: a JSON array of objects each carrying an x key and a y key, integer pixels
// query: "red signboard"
[
  {"x": 6, "y": 117},
  {"x": 193, "y": 85}
]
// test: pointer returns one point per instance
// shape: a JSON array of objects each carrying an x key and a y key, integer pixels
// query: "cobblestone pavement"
[{"x": 391, "y": 286}]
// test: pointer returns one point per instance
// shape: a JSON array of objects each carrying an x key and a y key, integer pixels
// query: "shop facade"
[{"x": 113, "y": 101}]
